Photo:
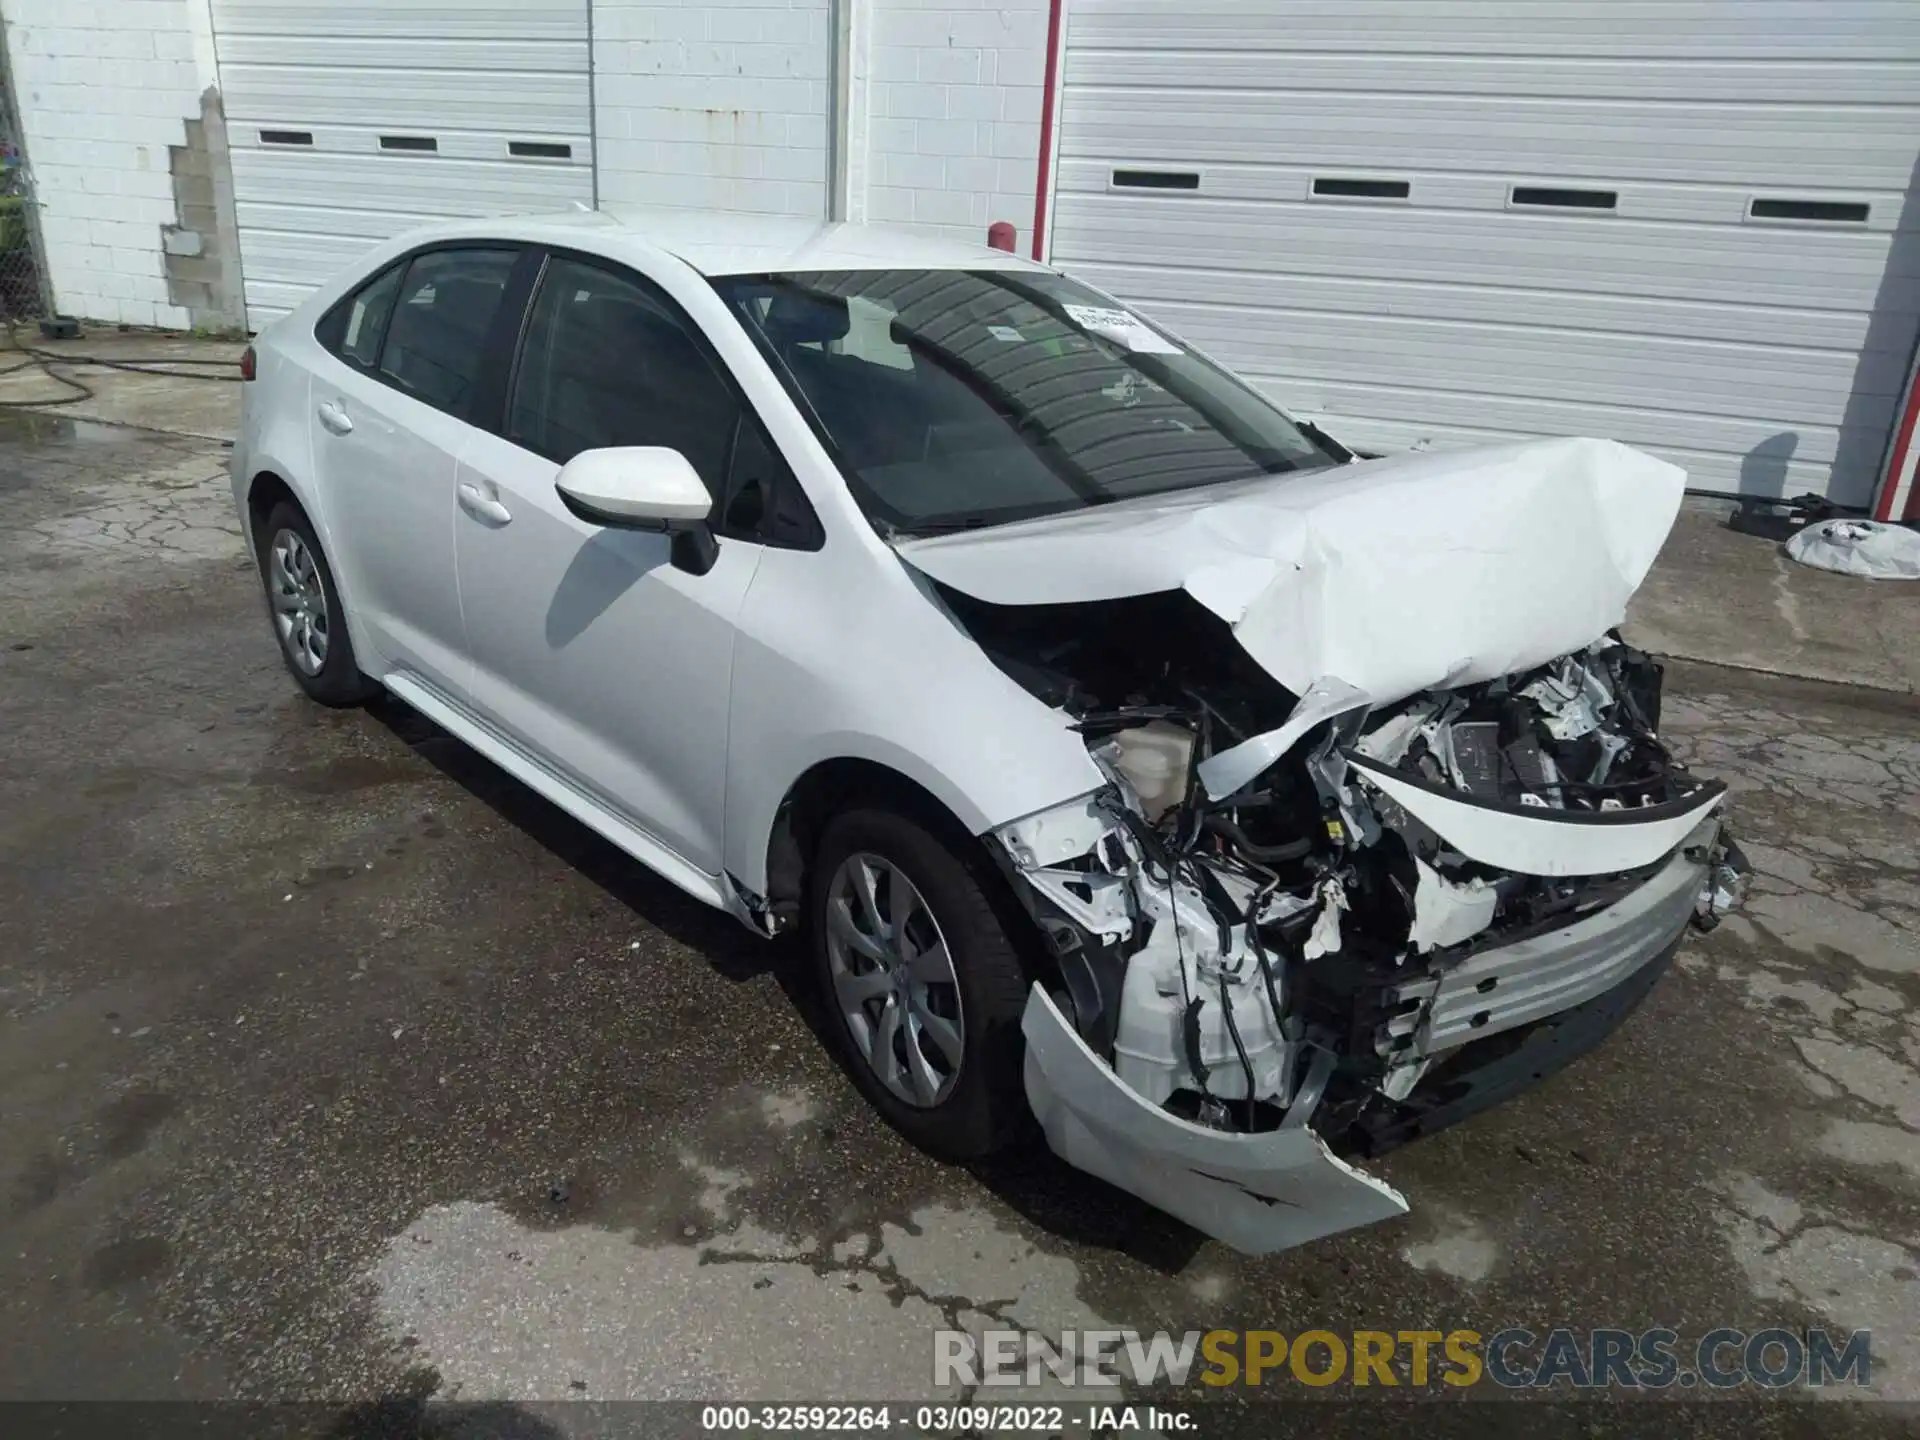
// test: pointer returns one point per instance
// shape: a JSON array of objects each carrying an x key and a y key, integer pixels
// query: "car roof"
[{"x": 717, "y": 243}]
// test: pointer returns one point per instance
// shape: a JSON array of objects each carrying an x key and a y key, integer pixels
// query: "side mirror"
[
  {"x": 643, "y": 487},
  {"x": 635, "y": 487}
]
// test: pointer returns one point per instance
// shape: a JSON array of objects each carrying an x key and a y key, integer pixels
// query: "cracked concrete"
[
  {"x": 1727, "y": 598},
  {"x": 334, "y": 1065}
]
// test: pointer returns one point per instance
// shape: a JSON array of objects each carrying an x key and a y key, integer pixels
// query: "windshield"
[{"x": 956, "y": 398}]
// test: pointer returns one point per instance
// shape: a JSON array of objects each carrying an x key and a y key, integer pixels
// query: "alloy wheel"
[
  {"x": 299, "y": 600},
  {"x": 893, "y": 980}
]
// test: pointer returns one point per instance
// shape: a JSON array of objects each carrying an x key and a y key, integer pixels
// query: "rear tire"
[
  {"x": 303, "y": 605},
  {"x": 949, "y": 1075}
]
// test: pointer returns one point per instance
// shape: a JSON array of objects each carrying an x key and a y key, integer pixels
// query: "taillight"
[{"x": 247, "y": 363}]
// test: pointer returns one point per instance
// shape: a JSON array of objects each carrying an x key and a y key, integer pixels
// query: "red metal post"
[{"x": 1048, "y": 104}]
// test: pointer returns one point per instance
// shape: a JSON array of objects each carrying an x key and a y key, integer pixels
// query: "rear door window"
[{"x": 442, "y": 314}]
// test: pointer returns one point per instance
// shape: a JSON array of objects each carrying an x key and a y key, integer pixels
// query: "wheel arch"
[
  {"x": 265, "y": 490},
  {"x": 825, "y": 789},
  {"x": 272, "y": 484}
]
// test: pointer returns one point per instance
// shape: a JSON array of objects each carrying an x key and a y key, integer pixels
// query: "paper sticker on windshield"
[
  {"x": 1119, "y": 325},
  {"x": 1005, "y": 333}
]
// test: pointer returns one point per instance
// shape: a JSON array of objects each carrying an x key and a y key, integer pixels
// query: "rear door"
[
  {"x": 590, "y": 648},
  {"x": 389, "y": 420}
]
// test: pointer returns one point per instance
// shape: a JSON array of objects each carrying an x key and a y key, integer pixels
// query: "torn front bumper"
[
  {"x": 1508, "y": 986},
  {"x": 1272, "y": 1190},
  {"x": 1258, "y": 1193}
]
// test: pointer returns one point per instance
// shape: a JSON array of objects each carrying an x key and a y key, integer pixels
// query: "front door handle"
[
  {"x": 334, "y": 418},
  {"x": 482, "y": 506}
]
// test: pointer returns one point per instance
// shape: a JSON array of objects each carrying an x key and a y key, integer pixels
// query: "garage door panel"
[
  {"x": 1437, "y": 190},
  {"x": 406, "y": 184},
  {"x": 424, "y": 101},
  {"x": 1150, "y": 286},
  {"x": 1726, "y": 436},
  {"x": 1819, "y": 270},
  {"x": 1251, "y": 67},
  {"x": 424, "y": 19},
  {"x": 1724, "y": 264},
  {"x": 360, "y": 52},
  {"x": 449, "y": 144},
  {"x": 358, "y": 228},
  {"x": 268, "y": 300},
  {"x": 1626, "y": 370},
  {"x": 495, "y": 99},
  {"x": 1705, "y": 470},
  {"x": 292, "y": 256},
  {"x": 1624, "y": 29},
  {"x": 1828, "y": 146}
]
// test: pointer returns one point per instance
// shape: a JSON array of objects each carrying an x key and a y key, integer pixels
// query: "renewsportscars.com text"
[{"x": 1514, "y": 1358}]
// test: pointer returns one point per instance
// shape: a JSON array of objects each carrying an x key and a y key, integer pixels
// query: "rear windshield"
[{"x": 957, "y": 398}]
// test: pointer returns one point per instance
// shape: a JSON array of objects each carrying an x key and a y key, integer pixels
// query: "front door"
[{"x": 589, "y": 647}]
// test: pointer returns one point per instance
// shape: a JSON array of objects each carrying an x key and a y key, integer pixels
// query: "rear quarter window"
[{"x": 354, "y": 328}]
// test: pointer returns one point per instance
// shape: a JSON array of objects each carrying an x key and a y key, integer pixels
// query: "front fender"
[{"x": 876, "y": 671}]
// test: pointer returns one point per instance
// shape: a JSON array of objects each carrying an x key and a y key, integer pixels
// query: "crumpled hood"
[{"x": 1398, "y": 575}]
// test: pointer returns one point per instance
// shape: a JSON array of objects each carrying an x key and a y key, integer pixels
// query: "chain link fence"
[{"x": 23, "y": 283}]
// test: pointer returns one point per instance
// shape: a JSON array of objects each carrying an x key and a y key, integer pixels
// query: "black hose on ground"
[{"x": 52, "y": 363}]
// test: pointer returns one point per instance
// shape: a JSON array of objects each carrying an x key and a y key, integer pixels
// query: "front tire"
[
  {"x": 303, "y": 604},
  {"x": 923, "y": 988}
]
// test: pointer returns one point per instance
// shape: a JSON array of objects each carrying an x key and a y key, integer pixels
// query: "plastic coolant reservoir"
[
  {"x": 1155, "y": 758},
  {"x": 1150, "y": 1053}
]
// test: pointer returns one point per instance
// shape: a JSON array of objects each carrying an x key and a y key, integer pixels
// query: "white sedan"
[{"x": 1131, "y": 755}]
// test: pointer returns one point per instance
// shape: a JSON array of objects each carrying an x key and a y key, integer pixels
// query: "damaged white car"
[{"x": 1130, "y": 754}]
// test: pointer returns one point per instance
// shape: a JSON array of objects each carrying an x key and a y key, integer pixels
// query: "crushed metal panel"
[
  {"x": 1447, "y": 912},
  {"x": 1545, "y": 974},
  {"x": 1258, "y": 1193},
  {"x": 1397, "y": 575},
  {"x": 1227, "y": 771},
  {"x": 1530, "y": 841}
]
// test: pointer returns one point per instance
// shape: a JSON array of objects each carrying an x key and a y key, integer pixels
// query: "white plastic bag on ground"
[{"x": 1859, "y": 547}]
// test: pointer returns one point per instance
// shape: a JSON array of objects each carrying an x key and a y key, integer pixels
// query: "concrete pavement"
[{"x": 1727, "y": 598}]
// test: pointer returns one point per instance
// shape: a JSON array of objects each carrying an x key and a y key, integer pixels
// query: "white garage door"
[
  {"x": 351, "y": 122},
  {"x": 1686, "y": 224}
]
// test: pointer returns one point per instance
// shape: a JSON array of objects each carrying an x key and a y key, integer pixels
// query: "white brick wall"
[
  {"x": 954, "y": 103},
  {"x": 104, "y": 87},
  {"x": 712, "y": 104}
]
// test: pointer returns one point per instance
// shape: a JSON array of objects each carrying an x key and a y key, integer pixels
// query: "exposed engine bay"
[{"x": 1297, "y": 949}]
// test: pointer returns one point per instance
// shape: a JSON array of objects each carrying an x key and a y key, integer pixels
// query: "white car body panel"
[
  {"x": 880, "y": 673},
  {"x": 596, "y": 653},
  {"x": 1258, "y": 1193},
  {"x": 1336, "y": 573},
  {"x": 389, "y": 484},
  {"x": 1543, "y": 842}
]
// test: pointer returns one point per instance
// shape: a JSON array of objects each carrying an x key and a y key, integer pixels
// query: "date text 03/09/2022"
[{"x": 950, "y": 1419}]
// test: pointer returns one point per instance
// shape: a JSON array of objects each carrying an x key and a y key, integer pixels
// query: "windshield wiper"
[
  {"x": 941, "y": 525},
  {"x": 1340, "y": 453}
]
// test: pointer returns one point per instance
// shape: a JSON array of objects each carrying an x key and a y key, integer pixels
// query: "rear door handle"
[
  {"x": 482, "y": 506},
  {"x": 334, "y": 418}
]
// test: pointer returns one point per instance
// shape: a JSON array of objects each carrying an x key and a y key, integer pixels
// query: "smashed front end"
[{"x": 1299, "y": 927}]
